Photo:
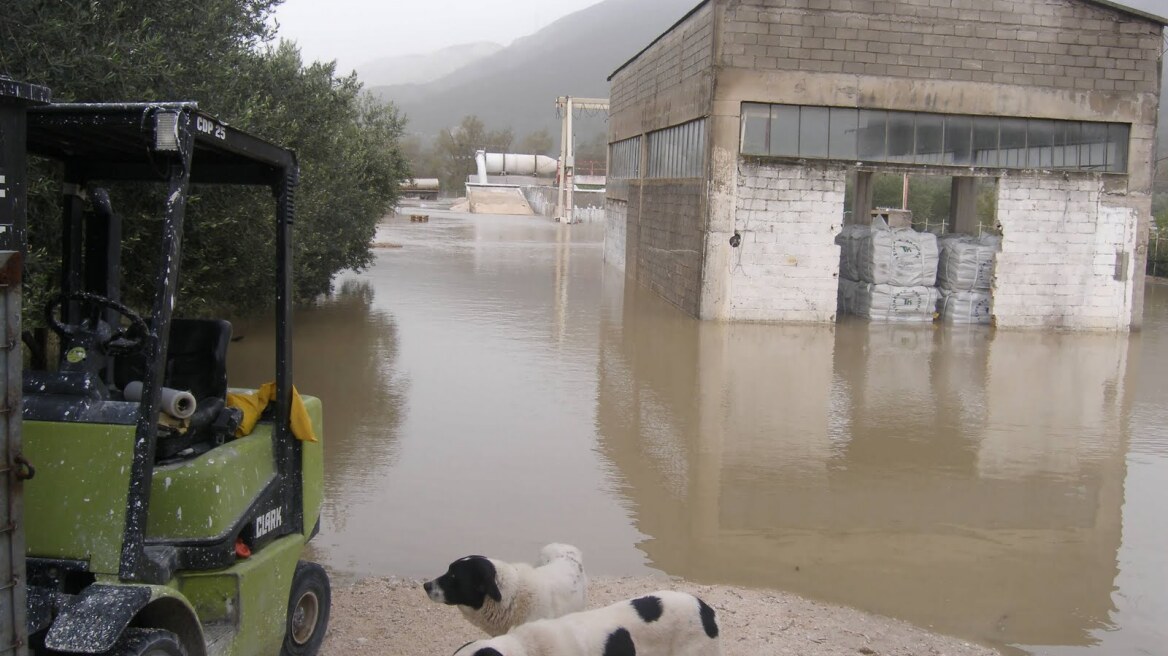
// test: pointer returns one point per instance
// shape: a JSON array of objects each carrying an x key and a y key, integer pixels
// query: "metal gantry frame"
[{"x": 567, "y": 106}]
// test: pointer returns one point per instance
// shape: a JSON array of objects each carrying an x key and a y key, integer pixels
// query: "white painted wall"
[
  {"x": 1058, "y": 264},
  {"x": 787, "y": 266},
  {"x": 615, "y": 222}
]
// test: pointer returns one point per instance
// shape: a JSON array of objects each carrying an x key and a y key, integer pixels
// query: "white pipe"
[
  {"x": 481, "y": 165},
  {"x": 176, "y": 403},
  {"x": 519, "y": 164}
]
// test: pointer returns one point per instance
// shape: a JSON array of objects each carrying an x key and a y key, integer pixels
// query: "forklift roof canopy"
[{"x": 133, "y": 139}]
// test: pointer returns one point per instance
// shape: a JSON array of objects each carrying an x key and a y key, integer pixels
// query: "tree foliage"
[
  {"x": 424, "y": 160},
  {"x": 930, "y": 197},
  {"x": 537, "y": 143},
  {"x": 456, "y": 150},
  {"x": 449, "y": 156},
  {"x": 221, "y": 54},
  {"x": 591, "y": 149}
]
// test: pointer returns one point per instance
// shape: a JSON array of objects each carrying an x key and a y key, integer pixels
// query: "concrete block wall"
[
  {"x": 1059, "y": 59},
  {"x": 679, "y": 55},
  {"x": 671, "y": 82},
  {"x": 616, "y": 216},
  {"x": 787, "y": 265},
  {"x": 666, "y": 235},
  {"x": 1068, "y": 44},
  {"x": 1068, "y": 257},
  {"x": 544, "y": 199}
]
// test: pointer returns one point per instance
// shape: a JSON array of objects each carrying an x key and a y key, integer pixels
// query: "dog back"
[{"x": 665, "y": 623}]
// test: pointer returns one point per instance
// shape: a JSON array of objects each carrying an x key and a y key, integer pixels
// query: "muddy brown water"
[{"x": 492, "y": 385}]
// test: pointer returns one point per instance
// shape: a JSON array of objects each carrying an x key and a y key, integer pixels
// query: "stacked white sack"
[
  {"x": 966, "y": 262},
  {"x": 851, "y": 243},
  {"x": 895, "y": 303},
  {"x": 964, "y": 306},
  {"x": 901, "y": 257}
]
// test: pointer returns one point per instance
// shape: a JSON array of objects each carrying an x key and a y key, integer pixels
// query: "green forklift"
[{"x": 139, "y": 520}]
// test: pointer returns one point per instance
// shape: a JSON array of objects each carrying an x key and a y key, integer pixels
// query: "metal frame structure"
[
  {"x": 177, "y": 145},
  {"x": 568, "y": 105}
]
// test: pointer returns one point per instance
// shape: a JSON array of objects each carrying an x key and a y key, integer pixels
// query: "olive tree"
[{"x": 222, "y": 54}]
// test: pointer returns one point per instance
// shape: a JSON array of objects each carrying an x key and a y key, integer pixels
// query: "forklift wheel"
[
  {"x": 148, "y": 642},
  {"x": 308, "y": 610}
]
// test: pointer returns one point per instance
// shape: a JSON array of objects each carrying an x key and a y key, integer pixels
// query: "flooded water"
[{"x": 491, "y": 386}]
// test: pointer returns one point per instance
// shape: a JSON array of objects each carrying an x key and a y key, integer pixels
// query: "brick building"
[{"x": 742, "y": 137}]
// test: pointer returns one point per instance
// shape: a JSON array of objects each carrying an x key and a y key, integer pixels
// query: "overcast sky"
[{"x": 354, "y": 32}]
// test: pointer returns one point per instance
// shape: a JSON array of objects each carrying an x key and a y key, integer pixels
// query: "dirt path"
[{"x": 393, "y": 617}]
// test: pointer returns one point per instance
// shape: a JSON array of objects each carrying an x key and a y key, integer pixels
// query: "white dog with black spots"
[
  {"x": 665, "y": 623},
  {"x": 497, "y": 596}
]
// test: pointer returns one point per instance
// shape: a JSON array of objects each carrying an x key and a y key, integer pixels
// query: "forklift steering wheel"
[{"x": 120, "y": 342}]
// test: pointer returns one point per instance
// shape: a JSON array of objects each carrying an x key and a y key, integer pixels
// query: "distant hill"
[
  {"x": 517, "y": 86},
  {"x": 414, "y": 69}
]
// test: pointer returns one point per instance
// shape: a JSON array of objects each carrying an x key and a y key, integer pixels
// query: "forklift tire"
[
  {"x": 147, "y": 642},
  {"x": 308, "y": 610}
]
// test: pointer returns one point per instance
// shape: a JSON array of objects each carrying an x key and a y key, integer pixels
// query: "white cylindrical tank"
[
  {"x": 421, "y": 184},
  {"x": 517, "y": 164}
]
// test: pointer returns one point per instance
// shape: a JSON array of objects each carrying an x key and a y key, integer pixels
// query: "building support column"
[
  {"x": 863, "y": 201},
  {"x": 963, "y": 206}
]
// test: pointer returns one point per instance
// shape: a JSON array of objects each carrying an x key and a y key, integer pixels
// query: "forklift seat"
[{"x": 196, "y": 360}]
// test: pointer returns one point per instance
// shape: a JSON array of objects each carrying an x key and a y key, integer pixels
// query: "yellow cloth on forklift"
[{"x": 253, "y": 405}]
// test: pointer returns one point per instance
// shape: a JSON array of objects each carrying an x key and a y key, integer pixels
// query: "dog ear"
[
  {"x": 491, "y": 589},
  {"x": 486, "y": 578}
]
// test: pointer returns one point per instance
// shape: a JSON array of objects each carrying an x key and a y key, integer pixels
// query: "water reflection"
[
  {"x": 493, "y": 337},
  {"x": 344, "y": 352},
  {"x": 491, "y": 386},
  {"x": 960, "y": 478}
]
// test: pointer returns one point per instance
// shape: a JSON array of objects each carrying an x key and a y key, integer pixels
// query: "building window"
[
  {"x": 848, "y": 134},
  {"x": 679, "y": 151},
  {"x": 624, "y": 159}
]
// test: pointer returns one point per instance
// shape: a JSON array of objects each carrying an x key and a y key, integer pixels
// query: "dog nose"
[{"x": 426, "y": 585}]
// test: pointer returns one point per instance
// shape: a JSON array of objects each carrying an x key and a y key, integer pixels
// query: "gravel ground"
[{"x": 393, "y": 617}]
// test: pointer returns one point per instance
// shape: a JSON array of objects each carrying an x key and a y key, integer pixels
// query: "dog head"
[{"x": 467, "y": 582}]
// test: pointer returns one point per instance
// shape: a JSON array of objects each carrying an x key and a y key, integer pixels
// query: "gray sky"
[
  {"x": 1157, "y": 7},
  {"x": 354, "y": 32}
]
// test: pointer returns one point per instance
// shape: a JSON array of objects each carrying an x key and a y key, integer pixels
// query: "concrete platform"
[{"x": 497, "y": 200}]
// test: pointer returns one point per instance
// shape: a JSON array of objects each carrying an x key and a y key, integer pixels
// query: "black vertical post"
[
  {"x": 103, "y": 234},
  {"x": 72, "y": 244},
  {"x": 135, "y": 566},
  {"x": 287, "y": 449},
  {"x": 103, "y": 258}
]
